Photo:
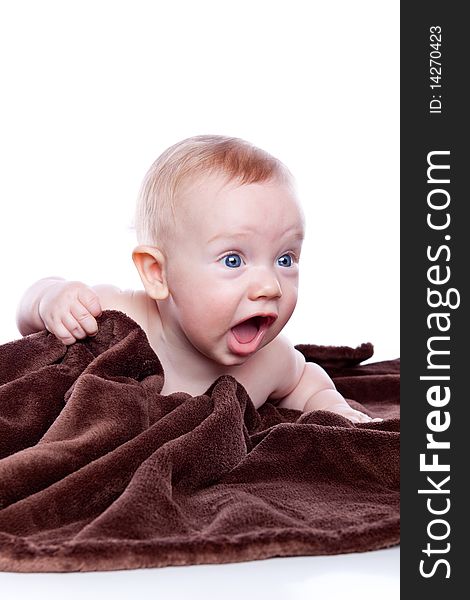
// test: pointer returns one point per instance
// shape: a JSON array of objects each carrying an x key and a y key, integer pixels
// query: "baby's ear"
[{"x": 151, "y": 264}]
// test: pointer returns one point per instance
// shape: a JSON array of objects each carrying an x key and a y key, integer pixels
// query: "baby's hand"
[
  {"x": 330, "y": 399},
  {"x": 68, "y": 310},
  {"x": 352, "y": 414}
]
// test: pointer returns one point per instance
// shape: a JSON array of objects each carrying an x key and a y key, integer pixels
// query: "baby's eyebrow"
[
  {"x": 297, "y": 235},
  {"x": 240, "y": 234}
]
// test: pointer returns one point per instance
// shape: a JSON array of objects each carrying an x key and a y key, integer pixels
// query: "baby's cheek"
[
  {"x": 290, "y": 304},
  {"x": 218, "y": 310},
  {"x": 205, "y": 304}
]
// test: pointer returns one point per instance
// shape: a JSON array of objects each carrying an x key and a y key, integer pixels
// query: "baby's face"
[{"x": 234, "y": 256}]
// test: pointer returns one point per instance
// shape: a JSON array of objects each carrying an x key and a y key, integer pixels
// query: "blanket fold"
[{"x": 99, "y": 471}]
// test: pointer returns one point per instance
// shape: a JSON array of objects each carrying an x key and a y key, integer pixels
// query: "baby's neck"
[{"x": 181, "y": 361}]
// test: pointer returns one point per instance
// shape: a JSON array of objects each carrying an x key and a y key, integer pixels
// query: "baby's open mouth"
[{"x": 246, "y": 331}]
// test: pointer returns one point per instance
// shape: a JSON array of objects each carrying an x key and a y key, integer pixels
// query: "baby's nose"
[{"x": 266, "y": 286}]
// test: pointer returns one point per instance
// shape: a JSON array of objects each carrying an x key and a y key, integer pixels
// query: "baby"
[{"x": 220, "y": 232}]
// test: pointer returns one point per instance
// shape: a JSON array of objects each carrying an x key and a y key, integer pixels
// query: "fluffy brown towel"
[{"x": 98, "y": 471}]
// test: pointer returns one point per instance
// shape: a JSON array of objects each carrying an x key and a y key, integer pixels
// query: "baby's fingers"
[
  {"x": 90, "y": 301},
  {"x": 360, "y": 417},
  {"x": 61, "y": 332},
  {"x": 73, "y": 326},
  {"x": 81, "y": 321},
  {"x": 357, "y": 416}
]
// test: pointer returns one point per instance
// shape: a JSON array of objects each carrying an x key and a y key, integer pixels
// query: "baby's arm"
[
  {"x": 68, "y": 308},
  {"x": 306, "y": 386}
]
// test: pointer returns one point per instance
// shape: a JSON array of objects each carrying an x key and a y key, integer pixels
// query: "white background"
[{"x": 93, "y": 91}]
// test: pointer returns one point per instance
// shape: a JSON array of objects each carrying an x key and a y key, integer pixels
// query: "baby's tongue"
[{"x": 245, "y": 332}]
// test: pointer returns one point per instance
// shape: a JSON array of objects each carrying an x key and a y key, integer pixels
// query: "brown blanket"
[{"x": 98, "y": 471}]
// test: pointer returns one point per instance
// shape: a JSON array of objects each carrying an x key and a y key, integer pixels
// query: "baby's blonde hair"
[{"x": 186, "y": 162}]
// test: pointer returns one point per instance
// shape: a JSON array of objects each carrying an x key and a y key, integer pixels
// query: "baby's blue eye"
[
  {"x": 232, "y": 260},
  {"x": 285, "y": 260}
]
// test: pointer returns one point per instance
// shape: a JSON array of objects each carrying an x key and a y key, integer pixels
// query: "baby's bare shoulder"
[
  {"x": 283, "y": 365},
  {"x": 136, "y": 304}
]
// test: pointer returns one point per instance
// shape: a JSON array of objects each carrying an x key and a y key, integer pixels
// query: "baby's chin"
[
  {"x": 226, "y": 358},
  {"x": 223, "y": 356},
  {"x": 229, "y": 360}
]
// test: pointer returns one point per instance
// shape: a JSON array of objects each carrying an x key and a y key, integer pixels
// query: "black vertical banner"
[{"x": 435, "y": 253}]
